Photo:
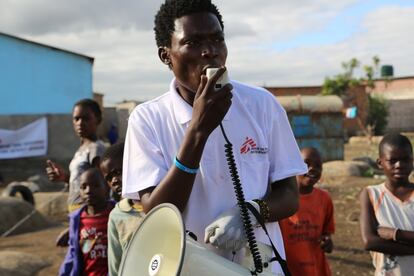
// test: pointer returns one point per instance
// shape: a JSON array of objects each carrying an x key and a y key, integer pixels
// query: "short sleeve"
[
  {"x": 96, "y": 150},
  {"x": 284, "y": 154},
  {"x": 143, "y": 164}
]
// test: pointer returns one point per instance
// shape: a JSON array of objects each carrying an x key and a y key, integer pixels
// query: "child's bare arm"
[
  {"x": 372, "y": 241},
  {"x": 402, "y": 236}
]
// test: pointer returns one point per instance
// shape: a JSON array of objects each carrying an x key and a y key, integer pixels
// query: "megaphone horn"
[{"x": 160, "y": 247}]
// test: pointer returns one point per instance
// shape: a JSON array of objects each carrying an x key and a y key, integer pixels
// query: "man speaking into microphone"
[{"x": 174, "y": 149}]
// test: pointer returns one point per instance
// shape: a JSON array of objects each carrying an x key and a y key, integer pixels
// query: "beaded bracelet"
[
  {"x": 264, "y": 209},
  {"x": 179, "y": 165}
]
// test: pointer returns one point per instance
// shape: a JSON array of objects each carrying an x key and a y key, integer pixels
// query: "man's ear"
[
  {"x": 164, "y": 55},
  {"x": 379, "y": 163}
]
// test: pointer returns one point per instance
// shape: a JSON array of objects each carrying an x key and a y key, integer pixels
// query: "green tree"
[
  {"x": 377, "y": 114},
  {"x": 341, "y": 84}
]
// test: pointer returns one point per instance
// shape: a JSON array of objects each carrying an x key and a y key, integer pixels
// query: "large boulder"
[
  {"x": 44, "y": 184},
  {"x": 52, "y": 205},
  {"x": 13, "y": 210},
  {"x": 366, "y": 159},
  {"x": 14, "y": 263}
]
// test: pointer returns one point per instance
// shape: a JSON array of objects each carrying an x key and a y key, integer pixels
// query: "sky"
[{"x": 270, "y": 42}]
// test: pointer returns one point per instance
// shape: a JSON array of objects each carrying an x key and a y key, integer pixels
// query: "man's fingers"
[
  {"x": 216, "y": 236},
  {"x": 232, "y": 239},
  {"x": 202, "y": 85},
  {"x": 209, "y": 232},
  {"x": 223, "y": 93}
]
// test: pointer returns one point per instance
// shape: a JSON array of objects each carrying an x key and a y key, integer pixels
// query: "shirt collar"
[
  {"x": 182, "y": 110},
  {"x": 124, "y": 205}
]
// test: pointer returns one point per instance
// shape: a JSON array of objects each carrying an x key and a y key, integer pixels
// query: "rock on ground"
[
  {"x": 44, "y": 184},
  {"x": 52, "y": 205},
  {"x": 14, "y": 263},
  {"x": 12, "y": 210},
  {"x": 364, "y": 139}
]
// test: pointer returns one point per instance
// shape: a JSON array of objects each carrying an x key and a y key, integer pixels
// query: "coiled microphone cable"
[{"x": 241, "y": 202}]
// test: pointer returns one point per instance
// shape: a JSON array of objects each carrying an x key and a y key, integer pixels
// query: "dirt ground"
[
  {"x": 348, "y": 257},
  {"x": 42, "y": 244}
]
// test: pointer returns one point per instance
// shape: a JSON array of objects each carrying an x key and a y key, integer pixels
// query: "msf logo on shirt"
[
  {"x": 247, "y": 145},
  {"x": 250, "y": 146}
]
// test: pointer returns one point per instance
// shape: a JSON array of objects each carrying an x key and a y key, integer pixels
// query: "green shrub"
[{"x": 377, "y": 114}]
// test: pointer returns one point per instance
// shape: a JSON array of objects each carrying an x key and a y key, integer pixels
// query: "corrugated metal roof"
[
  {"x": 313, "y": 104},
  {"x": 91, "y": 59}
]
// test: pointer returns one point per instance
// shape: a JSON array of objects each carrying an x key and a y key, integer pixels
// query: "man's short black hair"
[
  {"x": 173, "y": 9},
  {"x": 92, "y": 105},
  {"x": 114, "y": 152},
  {"x": 395, "y": 140}
]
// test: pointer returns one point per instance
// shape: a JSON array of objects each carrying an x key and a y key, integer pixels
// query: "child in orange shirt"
[{"x": 307, "y": 234}]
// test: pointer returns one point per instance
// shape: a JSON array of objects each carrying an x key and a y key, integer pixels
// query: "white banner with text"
[{"x": 28, "y": 141}]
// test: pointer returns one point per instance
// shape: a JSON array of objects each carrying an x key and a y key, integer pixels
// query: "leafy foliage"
[
  {"x": 341, "y": 84},
  {"x": 377, "y": 114}
]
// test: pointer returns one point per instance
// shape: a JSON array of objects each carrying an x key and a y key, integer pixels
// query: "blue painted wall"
[
  {"x": 321, "y": 131},
  {"x": 36, "y": 79}
]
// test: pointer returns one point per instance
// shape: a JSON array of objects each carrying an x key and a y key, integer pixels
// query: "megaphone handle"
[{"x": 241, "y": 202}]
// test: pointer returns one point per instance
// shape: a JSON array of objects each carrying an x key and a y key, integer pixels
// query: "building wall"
[
  {"x": 37, "y": 79},
  {"x": 399, "y": 93},
  {"x": 400, "y": 115},
  {"x": 123, "y": 116},
  {"x": 358, "y": 97},
  {"x": 394, "y": 86},
  {"x": 323, "y": 131}
]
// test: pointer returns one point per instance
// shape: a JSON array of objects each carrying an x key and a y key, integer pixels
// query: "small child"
[
  {"x": 126, "y": 216},
  {"x": 87, "y": 252},
  {"x": 387, "y": 210},
  {"x": 307, "y": 234}
]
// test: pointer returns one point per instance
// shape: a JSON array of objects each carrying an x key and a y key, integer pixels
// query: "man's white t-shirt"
[{"x": 264, "y": 148}]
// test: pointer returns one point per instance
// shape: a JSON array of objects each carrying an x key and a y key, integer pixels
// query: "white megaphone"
[{"x": 161, "y": 247}]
